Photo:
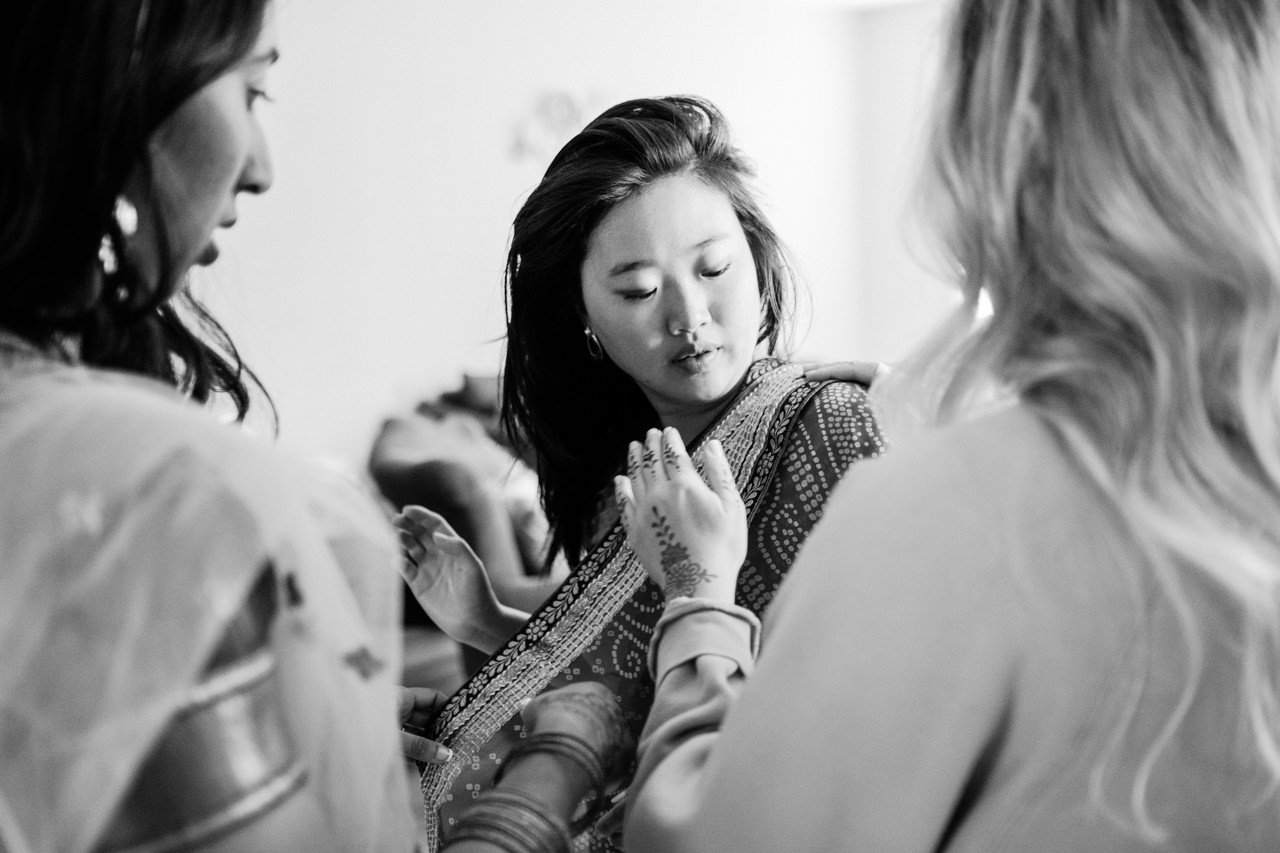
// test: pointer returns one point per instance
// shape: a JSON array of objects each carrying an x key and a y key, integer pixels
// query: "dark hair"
[
  {"x": 83, "y": 85},
  {"x": 578, "y": 414}
]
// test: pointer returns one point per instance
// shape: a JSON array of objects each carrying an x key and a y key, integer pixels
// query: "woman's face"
[
  {"x": 669, "y": 287},
  {"x": 202, "y": 156}
]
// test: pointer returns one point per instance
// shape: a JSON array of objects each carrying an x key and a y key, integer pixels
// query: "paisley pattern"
[{"x": 788, "y": 442}]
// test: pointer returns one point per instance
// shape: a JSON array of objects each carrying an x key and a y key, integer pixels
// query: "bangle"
[
  {"x": 577, "y": 751},
  {"x": 513, "y": 821}
]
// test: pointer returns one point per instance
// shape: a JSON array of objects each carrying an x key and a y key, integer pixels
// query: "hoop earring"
[{"x": 594, "y": 350}]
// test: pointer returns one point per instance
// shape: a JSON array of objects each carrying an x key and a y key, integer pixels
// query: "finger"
[
  {"x": 719, "y": 474},
  {"x": 426, "y": 520},
  {"x": 421, "y": 749},
  {"x": 851, "y": 371},
  {"x": 674, "y": 456},
  {"x": 635, "y": 464},
  {"x": 653, "y": 468},
  {"x": 626, "y": 501},
  {"x": 423, "y": 703}
]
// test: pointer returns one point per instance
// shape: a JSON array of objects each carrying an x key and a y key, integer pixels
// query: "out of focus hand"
[
  {"x": 690, "y": 538},
  {"x": 445, "y": 575},
  {"x": 418, "y": 706},
  {"x": 590, "y": 711},
  {"x": 865, "y": 372}
]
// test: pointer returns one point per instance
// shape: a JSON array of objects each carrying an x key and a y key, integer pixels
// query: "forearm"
[
  {"x": 702, "y": 652},
  {"x": 556, "y": 785},
  {"x": 491, "y": 633}
]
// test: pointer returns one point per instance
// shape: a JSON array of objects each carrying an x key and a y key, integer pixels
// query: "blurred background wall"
[{"x": 406, "y": 133}]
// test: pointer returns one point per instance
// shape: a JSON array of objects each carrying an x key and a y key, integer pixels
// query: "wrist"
[
  {"x": 719, "y": 593},
  {"x": 490, "y": 631}
]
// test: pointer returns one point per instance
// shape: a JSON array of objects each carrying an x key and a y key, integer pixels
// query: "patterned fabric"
[
  {"x": 132, "y": 527},
  {"x": 788, "y": 441}
]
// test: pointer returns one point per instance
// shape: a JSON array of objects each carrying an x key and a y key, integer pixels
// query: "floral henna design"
[
  {"x": 683, "y": 574},
  {"x": 670, "y": 455}
]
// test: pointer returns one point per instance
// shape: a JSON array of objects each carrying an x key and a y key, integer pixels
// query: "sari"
[
  {"x": 788, "y": 442},
  {"x": 134, "y": 530}
]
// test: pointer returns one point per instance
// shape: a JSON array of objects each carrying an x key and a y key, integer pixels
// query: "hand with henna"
[{"x": 690, "y": 536}]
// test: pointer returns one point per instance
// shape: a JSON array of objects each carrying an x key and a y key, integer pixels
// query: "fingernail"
[
  {"x": 523, "y": 703},
  {"x": 445, "y": 754}
]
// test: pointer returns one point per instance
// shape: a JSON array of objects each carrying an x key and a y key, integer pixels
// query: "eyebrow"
[
  {"x": 624, "y": 267},
  {"x": 270, "y": 57}
]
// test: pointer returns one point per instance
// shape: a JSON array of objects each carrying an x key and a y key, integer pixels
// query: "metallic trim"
[{"x": 225, "y": 759}]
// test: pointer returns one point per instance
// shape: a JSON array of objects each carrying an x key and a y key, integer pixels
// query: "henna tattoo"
[
  {"x": 650, "y": 461},
  {"x": 682, "y": 573},
  {"x": 669, "y": 454}
]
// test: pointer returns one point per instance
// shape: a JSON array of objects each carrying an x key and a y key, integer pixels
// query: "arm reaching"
[
  {"x": 690, "y": 538},
  {"x": 449, "y": 581}
]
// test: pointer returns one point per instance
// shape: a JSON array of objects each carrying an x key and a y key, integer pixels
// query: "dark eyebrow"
[{"x": 623, "y": 267}]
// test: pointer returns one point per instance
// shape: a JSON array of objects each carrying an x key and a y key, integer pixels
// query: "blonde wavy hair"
[{"x": 1108, "y": 172}]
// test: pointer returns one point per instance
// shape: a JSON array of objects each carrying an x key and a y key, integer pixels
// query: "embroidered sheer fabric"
[{"x": 132, "y": 527}]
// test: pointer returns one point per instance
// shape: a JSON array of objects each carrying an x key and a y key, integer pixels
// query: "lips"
[{"x": 695, "y": 357}]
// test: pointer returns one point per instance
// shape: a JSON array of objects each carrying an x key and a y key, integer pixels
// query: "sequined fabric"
[{"x": 788, "y": 441}]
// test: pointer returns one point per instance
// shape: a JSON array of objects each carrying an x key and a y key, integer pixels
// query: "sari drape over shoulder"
[
  {"x": 133, "y": 529},
  {"x": 788, "y": 442}
]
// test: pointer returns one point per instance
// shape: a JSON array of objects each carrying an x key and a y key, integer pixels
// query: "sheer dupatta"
[{"x": 132, "y": 526}]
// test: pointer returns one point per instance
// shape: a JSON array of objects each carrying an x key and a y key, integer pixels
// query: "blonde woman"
[{"x": 1061, "y": 631}]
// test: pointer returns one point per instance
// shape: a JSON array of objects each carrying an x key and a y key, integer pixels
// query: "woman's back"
[{"x": 1020, "y": 616}]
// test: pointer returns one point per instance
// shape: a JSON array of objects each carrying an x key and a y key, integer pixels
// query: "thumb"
[
  {"x": 626, "y": 499},
  {"x": 719, "y": 474}
]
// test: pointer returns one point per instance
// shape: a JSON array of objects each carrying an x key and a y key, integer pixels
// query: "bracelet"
[
  {"x": 577, "y": 751},
  {"x": 514, "y": 822}
]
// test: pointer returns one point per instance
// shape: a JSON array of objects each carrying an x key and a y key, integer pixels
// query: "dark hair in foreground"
[
  {"x": 83, "y": 84},
  {"x": 578, "y": 414}
]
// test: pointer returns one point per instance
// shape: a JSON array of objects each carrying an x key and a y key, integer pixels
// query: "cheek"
[
  {"x": 742, "y": 310},
  {"x": 198, "y": 154}
]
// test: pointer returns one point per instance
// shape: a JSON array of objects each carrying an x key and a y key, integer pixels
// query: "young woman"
[
  {"x": 646, "y": 287},
  {"x": 1081, "y": 652},
  {"x": 186, "y": 665}
]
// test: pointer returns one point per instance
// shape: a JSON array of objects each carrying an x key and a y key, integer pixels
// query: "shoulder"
[
  {"x": 114, "y": 435},
  {"x": 837, "y": 415},
  {"x": 953, "y": 508}
]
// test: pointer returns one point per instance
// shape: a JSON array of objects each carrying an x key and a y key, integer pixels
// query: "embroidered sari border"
[{"x": 602, "y": 584}]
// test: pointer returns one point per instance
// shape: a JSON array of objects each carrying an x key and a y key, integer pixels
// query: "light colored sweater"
[{"x": 946, "y": 667}]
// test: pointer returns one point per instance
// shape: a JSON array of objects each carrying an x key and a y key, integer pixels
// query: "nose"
[
  {"x": 687, "y": 309},
  {"x": 258, "y": 173}
]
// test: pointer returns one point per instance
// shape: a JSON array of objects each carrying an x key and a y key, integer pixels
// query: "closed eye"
[
  {"x": 254, "y": 94},
  {"x": 639, "y": 296},
  {"x": 716, "y": 273}
]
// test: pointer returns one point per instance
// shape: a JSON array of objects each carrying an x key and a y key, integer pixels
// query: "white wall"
[{"x": 370, "y": 276}]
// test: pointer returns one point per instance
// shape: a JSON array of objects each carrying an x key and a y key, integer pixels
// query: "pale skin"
[{"x": 450, "y": 582}]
